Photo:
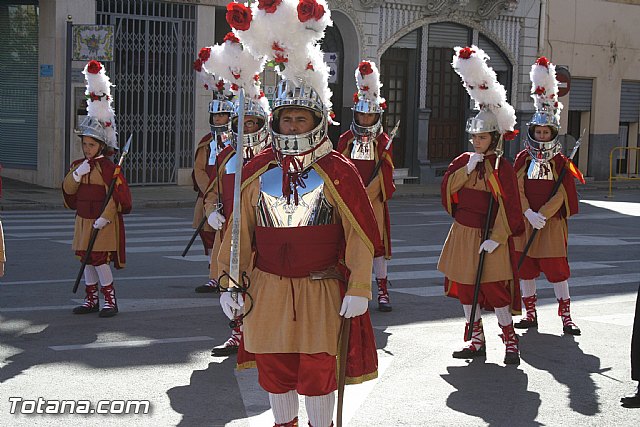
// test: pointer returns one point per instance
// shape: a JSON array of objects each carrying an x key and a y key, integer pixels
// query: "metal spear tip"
[
  {"x": 395, "y": 129},
  {"x": 125, "y": 150}
]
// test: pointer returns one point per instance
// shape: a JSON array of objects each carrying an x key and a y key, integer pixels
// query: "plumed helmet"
[
  {"x": 100, "y": 120},
  {"x": 367, "y": 99},
  {"x": 481, "y": 83},
  {"x": 544, "y": 91}
]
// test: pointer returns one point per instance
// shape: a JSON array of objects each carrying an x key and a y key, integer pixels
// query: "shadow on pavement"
[
  {"x": 497, "y": 394},
  {"x": 211, "y": 397},
  {"x": 561, "y": 356}
]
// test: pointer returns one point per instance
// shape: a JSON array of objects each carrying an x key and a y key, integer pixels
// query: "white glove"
[
  {"x": 473, "y": 161},
  {"x": 536, "y": 219},
  {"x": 228, "y": 304},
  {"x": 489, "y": 246},
  {"x": 215, "y": 220},
  {"x": 100, "y": 223},
  {"x": 353, "y": 306},
  {"x": 81, "y": 170}
]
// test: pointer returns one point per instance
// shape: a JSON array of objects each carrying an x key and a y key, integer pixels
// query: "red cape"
[
  {"x": 202, "y": 145},
  {"x": 121, "y": 196},
  {"x": 339, "y": 175},
  {"x": 345, "y": 145},
  {"x": 558, "y": 162}
]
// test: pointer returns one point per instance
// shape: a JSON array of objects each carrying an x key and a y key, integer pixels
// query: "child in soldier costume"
[
  {"x": 218, "y": 198},
  {"x": 468, "y": 185},
  {"x": 365, "y": 144},
  {"x": 538, "y": 167},
  {"x": 307, "y": 229},
  {"x": 85, "y": 188},
  {"x": 204, "y": 164}
]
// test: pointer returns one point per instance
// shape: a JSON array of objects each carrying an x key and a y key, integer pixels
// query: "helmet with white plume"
[
  {"x": 100, "y": 120},
  {"x": 544, "y": 91},
  {"x": 496, "y": 115}
]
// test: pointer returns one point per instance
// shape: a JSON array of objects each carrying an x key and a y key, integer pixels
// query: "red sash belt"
[
  {"x": 472, "y": 207},
  {"x": 296, "y": 251},
  {"x": 90, "y": 198},
  {"x": 538, "y": 192},
  {"x": 365, "y": 169}
]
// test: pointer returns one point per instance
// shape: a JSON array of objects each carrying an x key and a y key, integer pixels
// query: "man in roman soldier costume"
[
  {"x": 218, "y": 200},
  {"x": 538, "y": 167},
  {"x": 366, "y": 145},
  {"x": 306, "y": 226},
  {"x": 85, "y": 188},
  {"x": 473, "y": 189},
  {"x": 211, "y": 144}
]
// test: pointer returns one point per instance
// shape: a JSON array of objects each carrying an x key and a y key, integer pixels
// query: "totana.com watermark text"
[{"x": 43, "y": 406}]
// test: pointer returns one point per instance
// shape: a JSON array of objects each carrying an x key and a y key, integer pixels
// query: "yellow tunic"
[
  {"x": 551, "y": 240},
  {"x": 106, "y": 240},
  {"x": 295, "y": 315},
  {"x": 460, "y": 257}
]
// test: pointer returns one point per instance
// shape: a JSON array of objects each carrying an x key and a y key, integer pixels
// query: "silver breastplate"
[
  {"x": 230, "y": 166},
  {"x": 540, "y": 170},
  {"x": 363, "y": 148},
  {"x": 274, "y": 211}
]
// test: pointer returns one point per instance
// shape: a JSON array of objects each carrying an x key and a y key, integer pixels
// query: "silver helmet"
[
  {"x": 92, "y": 127},
  {"x": 366, "y": 106},
  {"x": 256, "y": 141},
  {"x": 543, "y": 151},
  {"x": 218, "y": 106},
  {"x": 484, "y": 121},
  {"x": 307, "y": 147}
]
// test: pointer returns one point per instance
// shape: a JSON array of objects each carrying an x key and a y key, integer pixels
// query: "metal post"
[{"x": 67, "y": 92}]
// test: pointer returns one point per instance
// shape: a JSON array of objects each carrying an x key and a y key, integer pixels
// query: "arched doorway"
[{"x": 333, "y": 48}]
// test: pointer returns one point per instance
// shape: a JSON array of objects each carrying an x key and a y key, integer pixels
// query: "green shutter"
[{"x": 19, "y": 83}]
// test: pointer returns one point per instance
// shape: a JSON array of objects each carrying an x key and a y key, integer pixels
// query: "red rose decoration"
[
  {"x": 511, "y": 135},
  {"x": 94, "y": 67},
  {"x": 364, "y": 88},
  {"x": 256, "y": 77},
  {"x": 220, "y": 85},
  {"x": 310, "y": 66},
  {"x": 262, "y": 95},
  {"x": 355, "y": 98},
  {"x": 276, "y": 47},
  {"x": 231, "y": 37},
  {"x": 204, "y": 54},
  {"x": 107, "y": 124},
  {"x": 383, "y": 105},
  {"x": 365, "y": 68},
  {"x": 539, "y": 90},
  {"x": 235, "y": 75},
  {"x": 483, "y": 87},
  {"x": 280, "y": 59},
  {"x": 239, "y": 16},
  {"x": 234, "y": 86},
  {"x": 197, "y": 65},
  {"x": 269, "y": 6},
  {"x": 308, "y": 9},
  {"x": 543, "y": 61},
  {"x": 465, "y": 52},
  {"x": 206, "y": 86}
]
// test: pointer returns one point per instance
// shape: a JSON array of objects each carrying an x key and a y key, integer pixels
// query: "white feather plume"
[
  {"x": 282, "y": 38},
  {"x": 369, "y": 85},
  {"x": 544, "y": 87},
  {"x": 100, "y": 101},
  {"x": 482, "y": 85}
]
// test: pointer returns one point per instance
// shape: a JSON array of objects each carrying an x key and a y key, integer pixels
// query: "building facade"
[{"x": 158, "y": 101}]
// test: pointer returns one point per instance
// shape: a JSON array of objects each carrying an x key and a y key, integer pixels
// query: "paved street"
[{"x": 157, "y": 348}]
